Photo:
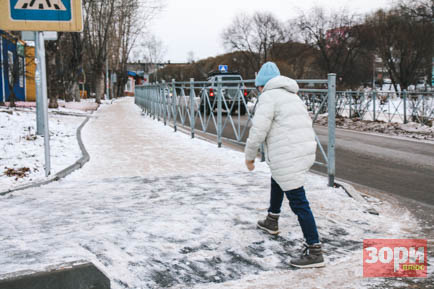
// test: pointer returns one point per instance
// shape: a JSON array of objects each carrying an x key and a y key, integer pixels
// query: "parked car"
[{"x": 230, "y": 91}]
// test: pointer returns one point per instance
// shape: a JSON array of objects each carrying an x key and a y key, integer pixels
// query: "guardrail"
[
  {"x": 375, "y": 105},
  {"x": 386, "y": 106},
  {"x": 226, "y": 108}
]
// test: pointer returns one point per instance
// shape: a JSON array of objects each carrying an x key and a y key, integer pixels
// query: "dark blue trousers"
[{"x": 299, "y": 205}]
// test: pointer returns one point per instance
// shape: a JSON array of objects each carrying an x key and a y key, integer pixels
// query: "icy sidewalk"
[{"x": 156, "y": 209}]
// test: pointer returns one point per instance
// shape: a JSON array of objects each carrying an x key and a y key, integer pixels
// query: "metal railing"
[
  {"x": 398, "y": 107},
  {"x": 225, "y": 109}
]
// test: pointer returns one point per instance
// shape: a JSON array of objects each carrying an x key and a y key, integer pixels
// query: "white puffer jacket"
[{"x": 282, "y": 121}]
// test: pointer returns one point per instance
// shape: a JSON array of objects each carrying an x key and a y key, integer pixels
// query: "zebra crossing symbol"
[
  {"x": 40, "y": 4},
  {"x": 41, "y": 10}
]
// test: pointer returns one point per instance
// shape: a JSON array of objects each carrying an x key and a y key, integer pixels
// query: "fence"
[
  {"x": 387, "y": 106},
  {"x": 225, "y": 108}
]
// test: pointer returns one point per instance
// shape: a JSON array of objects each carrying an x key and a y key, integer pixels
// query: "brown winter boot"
[
  {"x": 270, "y": 224},
  {"x": 310, "y": 258}
]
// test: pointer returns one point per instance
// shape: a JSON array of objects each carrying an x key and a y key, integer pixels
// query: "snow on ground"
[
  {"x": 20, "y": 147},
  {"x": 84, "y": 106},
  {"x": 157, "y": 209},
  {"x": 410, "y": 130}
]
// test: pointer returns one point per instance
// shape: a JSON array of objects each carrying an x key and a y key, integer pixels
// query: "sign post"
[
  {"x": 42, "y": 95},
  {"x": 39, "y": 16}
]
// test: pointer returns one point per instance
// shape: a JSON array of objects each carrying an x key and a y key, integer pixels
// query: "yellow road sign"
[{"x": 41, "y": 15}]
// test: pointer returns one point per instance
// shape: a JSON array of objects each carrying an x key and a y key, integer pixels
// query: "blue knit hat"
[{"x": 268, "y": 71}]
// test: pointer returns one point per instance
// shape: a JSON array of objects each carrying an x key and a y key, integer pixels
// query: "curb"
[
  {"x": 350, "y": 190},
  {"x": 63, "y": 173},
  {"x": 79, "y": 274},
  {"x": 355, "y": 194}
]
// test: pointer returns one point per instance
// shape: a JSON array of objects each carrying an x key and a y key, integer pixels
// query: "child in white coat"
[{"x": 283, "y": 124}]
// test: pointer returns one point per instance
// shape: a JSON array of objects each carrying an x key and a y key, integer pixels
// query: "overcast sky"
[{"x": 196, "y": 25}]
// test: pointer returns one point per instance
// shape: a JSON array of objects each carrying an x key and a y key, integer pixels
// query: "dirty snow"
[
  {"x": 157, "y": 209},
  {"x": 409, "y": 130}
]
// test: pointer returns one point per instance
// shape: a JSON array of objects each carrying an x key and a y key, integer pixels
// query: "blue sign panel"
[
  {"x": 223, "y": 68},
  {"x": 41, "y": 10}
]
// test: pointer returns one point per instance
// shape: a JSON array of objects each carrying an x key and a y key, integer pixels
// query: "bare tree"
[
  {"x": 417, "y": 8},
  {"x": 152, "y": 51},
  {"x": 131, "y": 18},
  {"x": 98, "y": 21},
  {"x": 335, "y": 35},
  {"x": 405, "y": 43},
  {"x": 254, "y": 36}
]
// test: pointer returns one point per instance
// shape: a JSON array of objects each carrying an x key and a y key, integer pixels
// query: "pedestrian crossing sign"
[
  {"x": 49, "y": 10},
  {"x": 41, "y": 15}
]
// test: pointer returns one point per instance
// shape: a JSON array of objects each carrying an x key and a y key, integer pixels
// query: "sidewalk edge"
[{"x": 63, "y": 173}]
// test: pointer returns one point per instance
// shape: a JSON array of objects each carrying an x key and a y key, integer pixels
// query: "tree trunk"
[
  {"x": 99, "y": 87},
  {"x": 75, "y": 91},
  {"x": 11, "y": 95}
]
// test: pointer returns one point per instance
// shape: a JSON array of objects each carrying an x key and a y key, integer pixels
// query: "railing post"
[
  {"x": 158, "y": 102},
  {"x": 153, "y": 101},
  {"x": 331, "y": 84},
  {"x": 219, "y": 111},
  {"x": 374, "y": 99},
  {"x": 404, "y": 96},
  {"x": 146, "y": 94},
  {"x": 163, "y": 84},
  {"x": 175, "y": 115},
  {"x": 148, "y": 100},
  {"x": 313, "y": 104},
  {"x": 192, "y": 105}
]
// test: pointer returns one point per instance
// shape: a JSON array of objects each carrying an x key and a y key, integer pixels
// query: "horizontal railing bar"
[
  {"x": 313, "y": 81},
  {"x": 320, "y": 164},
  {"x": 313, "y": 90}
]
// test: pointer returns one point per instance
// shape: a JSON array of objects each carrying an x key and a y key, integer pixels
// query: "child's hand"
[{"x": 250, "y": 165}]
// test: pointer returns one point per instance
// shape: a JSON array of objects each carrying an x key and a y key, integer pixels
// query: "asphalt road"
[
  {"x": 397, "y": 166},
  {"x": 393, "y": 165}
]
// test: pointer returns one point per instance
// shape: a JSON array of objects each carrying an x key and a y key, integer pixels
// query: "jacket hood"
[{"x": 283, "y": 82}]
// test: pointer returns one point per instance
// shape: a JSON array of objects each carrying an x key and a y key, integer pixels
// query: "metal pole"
[
  {"x": 331, "y": 127},
  {"x": 175, "y": 115},
  {"x": 106, "y": 72},
  {"x": 107, "y": 79},
  {"x": 158, "y": 97},
  {"x": 42, "y": 87},
  {"x": 192, "y": 100},
  {"x": 165, "y": 89},
  {"x": 3, "y": 99},
  {"x": 404, "y": 95},
  {"x": 39, "y": 112},
  {"x": 219, "y": 111},
  {"x": 351, "y": 104},
  {"x": 154, "y": 107},
  {"x": 374, "y": 99}
]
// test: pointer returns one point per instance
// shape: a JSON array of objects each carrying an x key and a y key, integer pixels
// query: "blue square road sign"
[
  {"x": 41, "y": 10},
  {"x": 223, "y": 68}
]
